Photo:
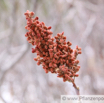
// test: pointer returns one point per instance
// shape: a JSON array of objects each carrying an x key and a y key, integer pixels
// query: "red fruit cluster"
[{"x": 54, "y": 54}]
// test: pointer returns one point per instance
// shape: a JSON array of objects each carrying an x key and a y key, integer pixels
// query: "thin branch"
[
  {"x": 89, "y": 28},
  {"x": 91, "y": 6},
  {"x": 4, "y": 34},
  {"x": 16, "y": 60},
  {"x": 2, "y": 99},
  {"x": 10, "y": 67}
]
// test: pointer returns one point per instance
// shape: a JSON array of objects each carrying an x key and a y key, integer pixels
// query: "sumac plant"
[{"x": 53, "y": 53}]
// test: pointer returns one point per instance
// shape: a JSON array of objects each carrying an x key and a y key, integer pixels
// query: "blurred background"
[{"x": 21, "y": 80}]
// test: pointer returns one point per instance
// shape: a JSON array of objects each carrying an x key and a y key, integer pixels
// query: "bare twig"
[
  {"x": 91, "y": 6},
  {"x": 16, "y": 59},
  {"x": 2, "y": 99},
  {"x": 4, "y": 34},
  {"x": 89, "y": 28}
]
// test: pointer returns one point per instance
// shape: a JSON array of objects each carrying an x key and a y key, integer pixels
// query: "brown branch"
[{"x": 13, "y": 63}]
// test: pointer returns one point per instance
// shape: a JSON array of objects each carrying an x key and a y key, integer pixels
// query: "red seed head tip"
[
  {"x": 35, "y": 59},
  {"x": 79, "y": 52},
  {"x": 76, "y": 75},
  {"x": 76, "y": 46},
  {"x": 79, "y": 48},
  {"x": 43, "y": 23},
  {"x": 46, "y": 70},
  {"x": 26, "y": 13},
  {"x": 32, "y": 13},
  {"x": 62, "y": 33},
  {"x": 78, "y": 66},
  {"x": 36, "y": 18},
  {"x": 26, "y": 35},
  {"x": 33, "y": 50},
  {"x": 49, "y": 27}
]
